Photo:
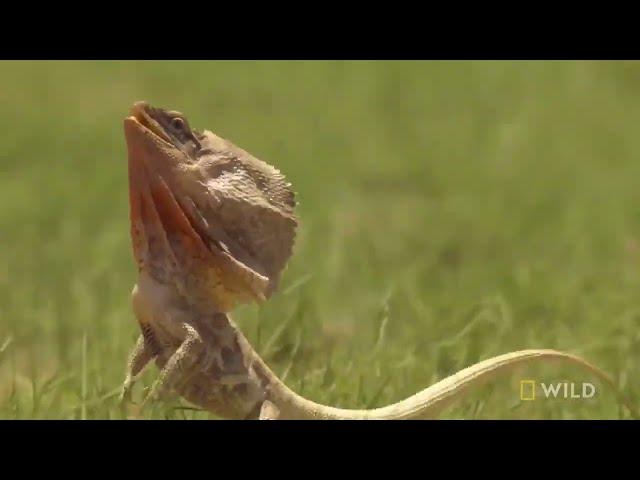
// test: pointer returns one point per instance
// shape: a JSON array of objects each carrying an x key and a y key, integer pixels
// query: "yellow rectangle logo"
[{"x": 527, "y": 390}]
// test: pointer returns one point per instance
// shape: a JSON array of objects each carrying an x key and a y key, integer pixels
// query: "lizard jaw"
[{"x": 154, "y": 207}]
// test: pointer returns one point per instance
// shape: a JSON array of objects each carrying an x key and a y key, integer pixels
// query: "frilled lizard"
[{"x": 213, "y": 227}]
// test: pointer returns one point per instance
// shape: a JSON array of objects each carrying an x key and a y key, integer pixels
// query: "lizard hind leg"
[{"x": 269, "y": 411}]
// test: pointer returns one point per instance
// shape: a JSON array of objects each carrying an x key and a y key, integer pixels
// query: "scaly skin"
[{"x": 212, "y": 227}]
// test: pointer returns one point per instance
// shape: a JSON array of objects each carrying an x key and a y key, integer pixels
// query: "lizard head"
[
  {"x": 165, "y": 129},
  {"x": 206, "y": 216}
]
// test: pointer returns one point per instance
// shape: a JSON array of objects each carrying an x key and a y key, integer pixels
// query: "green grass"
[{"x": 450, "y": 211}]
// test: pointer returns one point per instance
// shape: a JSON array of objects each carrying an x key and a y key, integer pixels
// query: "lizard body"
[{"x": 212, "y": 227}]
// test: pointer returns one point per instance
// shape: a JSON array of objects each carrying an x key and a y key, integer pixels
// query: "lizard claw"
[
  {"x": 125, "y": 392},
  {"x": 152, "y": 396}
]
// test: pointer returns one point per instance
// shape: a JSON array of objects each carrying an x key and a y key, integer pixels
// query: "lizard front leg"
[
  {"x": 140, "y": 356},
  {"x": 180, "y": 363}
]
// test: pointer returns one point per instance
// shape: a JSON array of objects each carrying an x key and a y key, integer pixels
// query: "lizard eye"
[{"x": 177, "y": 123}]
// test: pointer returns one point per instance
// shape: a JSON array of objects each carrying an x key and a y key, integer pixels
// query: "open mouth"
[{"x": 140, "y": 114}]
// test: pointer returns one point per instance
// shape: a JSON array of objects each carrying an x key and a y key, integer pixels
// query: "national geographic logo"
[{"x": 530, "y": 389}]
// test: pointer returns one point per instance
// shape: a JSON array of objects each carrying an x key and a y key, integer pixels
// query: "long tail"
[{"x": 429, "y": 402}]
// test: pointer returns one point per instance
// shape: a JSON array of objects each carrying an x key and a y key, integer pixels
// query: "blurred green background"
[{"x": 450, "y": 211}]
